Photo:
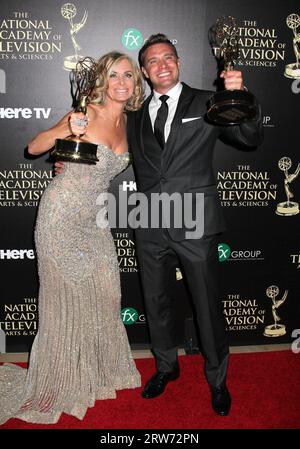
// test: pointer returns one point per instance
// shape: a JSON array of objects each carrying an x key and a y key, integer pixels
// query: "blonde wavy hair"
[{"x": 104, "y": 65}]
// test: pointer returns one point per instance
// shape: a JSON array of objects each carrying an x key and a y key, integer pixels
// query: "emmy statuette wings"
[
  {"x": 228, "y": 107},
  {"x": 74, "y": 149}
]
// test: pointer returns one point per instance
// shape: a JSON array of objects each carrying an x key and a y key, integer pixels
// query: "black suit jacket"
[{"x": 185, "y": 164}]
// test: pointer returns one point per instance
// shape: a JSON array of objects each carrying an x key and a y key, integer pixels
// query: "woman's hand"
[{"x": 78, "y": 123}]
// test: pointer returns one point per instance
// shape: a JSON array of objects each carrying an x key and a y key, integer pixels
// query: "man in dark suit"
[{"x": 172, "y": 147}]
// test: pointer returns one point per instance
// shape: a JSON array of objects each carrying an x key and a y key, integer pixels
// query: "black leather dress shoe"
[
  {"x": 157, "y": 384},
  {"x": 220, "y": 400}
]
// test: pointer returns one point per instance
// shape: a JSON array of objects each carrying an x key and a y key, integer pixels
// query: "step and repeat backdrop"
[{"x": 259, "y": 190}]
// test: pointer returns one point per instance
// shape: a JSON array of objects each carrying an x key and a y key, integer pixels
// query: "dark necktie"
[{"x": 160, "y": 121}]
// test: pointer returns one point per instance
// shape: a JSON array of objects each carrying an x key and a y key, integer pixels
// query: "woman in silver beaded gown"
[{"x": 81, "y": 351}]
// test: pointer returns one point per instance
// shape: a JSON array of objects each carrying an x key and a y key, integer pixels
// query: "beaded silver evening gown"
[{"x": 81, "y": 351}]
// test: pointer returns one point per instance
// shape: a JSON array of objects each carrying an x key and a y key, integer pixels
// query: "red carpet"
[{"x": 265, "y": 389}]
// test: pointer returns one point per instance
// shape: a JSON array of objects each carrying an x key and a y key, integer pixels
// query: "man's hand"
[
  {"x": 233, "y": 79},
  {"x": 78, "y": 123},
  {"x": 58, "y": 167}
]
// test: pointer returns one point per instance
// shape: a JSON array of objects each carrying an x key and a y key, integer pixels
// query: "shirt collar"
[{"x": 173, "y": 93}]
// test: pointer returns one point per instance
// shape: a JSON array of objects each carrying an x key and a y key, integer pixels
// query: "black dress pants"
[{"x": 199, "y": 261}]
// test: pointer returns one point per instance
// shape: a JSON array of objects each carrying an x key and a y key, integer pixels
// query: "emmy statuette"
[
  {"x": 293, "y": 70},
  {"x": 69, "y": 11},
  {"x": 275, "y": 330},
  {"x": 73, "y": 148},
  {"x": 288, "y": 207},
  {"x": 228, "y": 107}
]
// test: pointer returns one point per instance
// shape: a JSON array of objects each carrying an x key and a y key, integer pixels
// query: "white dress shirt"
[{"x": 172, "y": 102}]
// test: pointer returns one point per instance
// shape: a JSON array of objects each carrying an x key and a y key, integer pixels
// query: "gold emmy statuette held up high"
[
  {"x": 228, "y": 107},
  {"x": 74, "y": 148}
]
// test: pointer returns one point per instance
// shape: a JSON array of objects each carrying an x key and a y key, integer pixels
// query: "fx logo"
[
  {"x": 132, "y": 39},
  {"x": 224, "y": 252},
  {"x": 2, "y": 82},
  {"x": 129, "y": 316}
]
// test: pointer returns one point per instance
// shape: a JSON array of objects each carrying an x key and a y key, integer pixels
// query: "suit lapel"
[
  {"x": 184, "y": 102},
  {"x": 142, "y": 126}
]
